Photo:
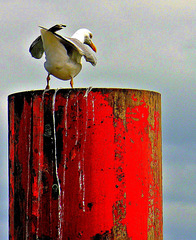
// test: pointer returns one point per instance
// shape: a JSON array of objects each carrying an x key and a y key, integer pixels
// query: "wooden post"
[{"x": 85, "y": 164}]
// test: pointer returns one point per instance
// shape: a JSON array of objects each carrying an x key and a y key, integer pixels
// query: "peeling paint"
[
  {"x": 102, "y": 148},
  {"x": 119, "y": 214}
]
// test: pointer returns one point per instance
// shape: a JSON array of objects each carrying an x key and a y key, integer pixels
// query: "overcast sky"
[{"x": 142, "y": 44}]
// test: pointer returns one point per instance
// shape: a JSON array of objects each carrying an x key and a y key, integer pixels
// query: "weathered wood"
[{"x": 85, "y": 164}]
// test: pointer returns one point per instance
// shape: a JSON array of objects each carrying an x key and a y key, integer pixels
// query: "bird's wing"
[
  {"x": 80, "y": 47},
  {"x": 36, "y": 49}
]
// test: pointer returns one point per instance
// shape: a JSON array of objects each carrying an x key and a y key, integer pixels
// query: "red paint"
[
  {"x": 105, "y": 155},
  {"x": 134, "y": 98}
]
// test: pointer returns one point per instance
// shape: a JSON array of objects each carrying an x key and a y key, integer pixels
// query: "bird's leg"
[
  {"x": 71, "y": 82},
  {"x": 48, "y": 79}
]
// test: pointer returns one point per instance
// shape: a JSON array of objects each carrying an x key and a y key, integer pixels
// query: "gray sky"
[{"x": 143, "y": 44}]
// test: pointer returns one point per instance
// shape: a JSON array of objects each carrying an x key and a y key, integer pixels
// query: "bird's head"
[{"x": 85, "y": 36}]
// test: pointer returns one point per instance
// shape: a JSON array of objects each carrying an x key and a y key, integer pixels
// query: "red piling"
[{"x": 85, "y": 164}]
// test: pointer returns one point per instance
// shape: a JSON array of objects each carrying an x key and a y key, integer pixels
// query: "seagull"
[{"x": 63, "y": 55}]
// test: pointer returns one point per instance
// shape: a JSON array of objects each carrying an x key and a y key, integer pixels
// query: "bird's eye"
[{"x": 90, "y": 35}]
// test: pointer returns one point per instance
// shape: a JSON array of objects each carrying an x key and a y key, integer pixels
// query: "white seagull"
[{"x": 63, "y": 55}]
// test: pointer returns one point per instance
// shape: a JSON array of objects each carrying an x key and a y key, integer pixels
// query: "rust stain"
[
  {"x": 124, "y": 103},
  {"x": 151, "y": 235},
  {"x": 119, "y": 214},
  {"x": 135, "y": 119},
  {"x": 121, "y": 99}
]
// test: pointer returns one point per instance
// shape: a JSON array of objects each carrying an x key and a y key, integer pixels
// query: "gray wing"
[
  {"x": 36, "y": 49},
  {"x": 80, "y": 47}
]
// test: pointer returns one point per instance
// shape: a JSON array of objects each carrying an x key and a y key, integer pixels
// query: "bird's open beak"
[{"x": 93, "y": 47}]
